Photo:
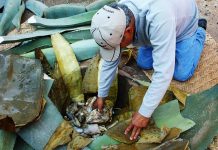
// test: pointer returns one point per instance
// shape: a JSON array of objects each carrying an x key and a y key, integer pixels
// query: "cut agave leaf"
[
  {"x": 7, "y": 140},
  {"x": 63, "y": 10},
  {"x": 98, "y": 4},
  {"x": 38, "y": 133},
  {"x": 203, "y": 109},
  {"x": 17, "y": 19},
  {"x": 168, "y": 115},
  {"x": 11, "y": 8},
  {"x": 36, "y": 7},
  {"x": 73, "y": 21},
  {"x": 68, "y": 66},
  {"x": 82, "y": 31},
  {"x": 21, "y": 95}
]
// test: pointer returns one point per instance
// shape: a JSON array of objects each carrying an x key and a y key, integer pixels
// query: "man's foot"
[{"x": 202, "y": 23}]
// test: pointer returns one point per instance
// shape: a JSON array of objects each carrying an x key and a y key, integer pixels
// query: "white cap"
[{"x": 107, "y": 28}]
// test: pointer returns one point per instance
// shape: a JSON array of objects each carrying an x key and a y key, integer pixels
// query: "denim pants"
[{"x": 188, "y": 53}]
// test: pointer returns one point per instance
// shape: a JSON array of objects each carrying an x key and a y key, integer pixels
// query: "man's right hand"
[{"x": 99, "y": 104}]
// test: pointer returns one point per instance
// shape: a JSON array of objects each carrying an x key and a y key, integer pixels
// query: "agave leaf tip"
[
  {"x": 31, "y": 20},
  {"x": 1, "y": 39}
]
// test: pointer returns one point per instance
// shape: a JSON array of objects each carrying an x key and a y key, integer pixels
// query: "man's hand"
[
  {"x": 138, "y": 122},
  {"x": 99, "y": 104}
]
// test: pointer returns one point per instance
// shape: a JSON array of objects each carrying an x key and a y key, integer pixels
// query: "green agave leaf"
[
  {"x": 2, "y": 3},
  {"x": 203, "y": 109},
  {"x": 17, "y": 18},
  {"x": 45, "y": 42},
  {"x": 7, "y": 140},
  {"x": 168, "y": 115},
  {"x": 100, "y": 141},
  {"x": 73, "y": 21},
  {"x": 83, "y": 50},
  {"x": 63, "y": 10},
  {"x": 36, "y": 7},
  {"x": 45, "y": 32},
  {"x": 11, "y": 8}
]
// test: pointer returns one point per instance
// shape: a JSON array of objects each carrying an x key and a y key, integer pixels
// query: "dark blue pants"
[{"x": 188, "y": 53}]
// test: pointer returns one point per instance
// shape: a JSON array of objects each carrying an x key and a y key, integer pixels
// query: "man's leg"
[
  {"x": 188, "y": 53},
  {"x": 144, "y": 58}
]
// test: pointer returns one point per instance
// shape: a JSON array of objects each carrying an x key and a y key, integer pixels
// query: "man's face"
[{"x": 128, "y": 35}]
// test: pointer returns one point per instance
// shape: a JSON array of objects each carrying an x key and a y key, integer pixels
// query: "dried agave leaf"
[
  {"x": 125, "y": 57},
  {"x": 90, "y": 81},
  {"x": 78, "y": 142},
  {"x": 179, "y": 94},
  {"x": 21, "y": 96},
  {"x": 61, "y": 136},
  {"x": 136, "y": 95},
  {"x": 174, "y": 133},
  {"x": 117, "y": 132},
  {"x": 112, "y": 95},
  {"x": 124, "y": 116},
  {"x": 152, "y": 134}
]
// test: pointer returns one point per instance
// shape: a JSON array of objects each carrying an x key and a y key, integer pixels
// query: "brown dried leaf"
[
  {"x": 61, "y": 136},
  {"x": 117, "y": 132},
  {"x": 173, "y": 134},
  {"x": 78, "y": 142},
  {"x": 90, "y": 81},
  {"x": 152, "y": 134}
]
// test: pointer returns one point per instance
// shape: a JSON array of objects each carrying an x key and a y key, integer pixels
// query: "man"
[{"x": 171, "y": 40}]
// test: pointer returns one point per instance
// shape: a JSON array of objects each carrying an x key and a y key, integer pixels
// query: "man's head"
[{"x": 113, "y": 28}]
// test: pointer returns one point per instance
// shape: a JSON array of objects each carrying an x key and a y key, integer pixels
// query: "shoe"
[{"x": 202, "y": 23}]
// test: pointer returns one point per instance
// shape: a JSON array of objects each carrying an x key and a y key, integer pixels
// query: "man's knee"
[
  {"x": 182, "y": 75},
  {"x": 144, "y": 58},
  {"x": 144, "y": 65}
]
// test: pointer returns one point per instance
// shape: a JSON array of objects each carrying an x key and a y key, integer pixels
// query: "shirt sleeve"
[
  {"x": 162, "y": 34},
  {"x": 106, "y": 76}
]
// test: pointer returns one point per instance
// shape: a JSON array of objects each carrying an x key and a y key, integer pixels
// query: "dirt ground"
[{"x": 209, "y": 9}]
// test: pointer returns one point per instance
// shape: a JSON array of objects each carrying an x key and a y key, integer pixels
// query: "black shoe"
[{"x": 202, "y": 23}]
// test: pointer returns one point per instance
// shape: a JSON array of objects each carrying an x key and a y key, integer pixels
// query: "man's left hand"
[{"x": 138, "y": 122}]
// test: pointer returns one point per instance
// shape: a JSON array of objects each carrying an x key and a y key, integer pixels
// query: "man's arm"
[
  {"x": 163, "y": 39},
  {"x": 106, "y": 77}
]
